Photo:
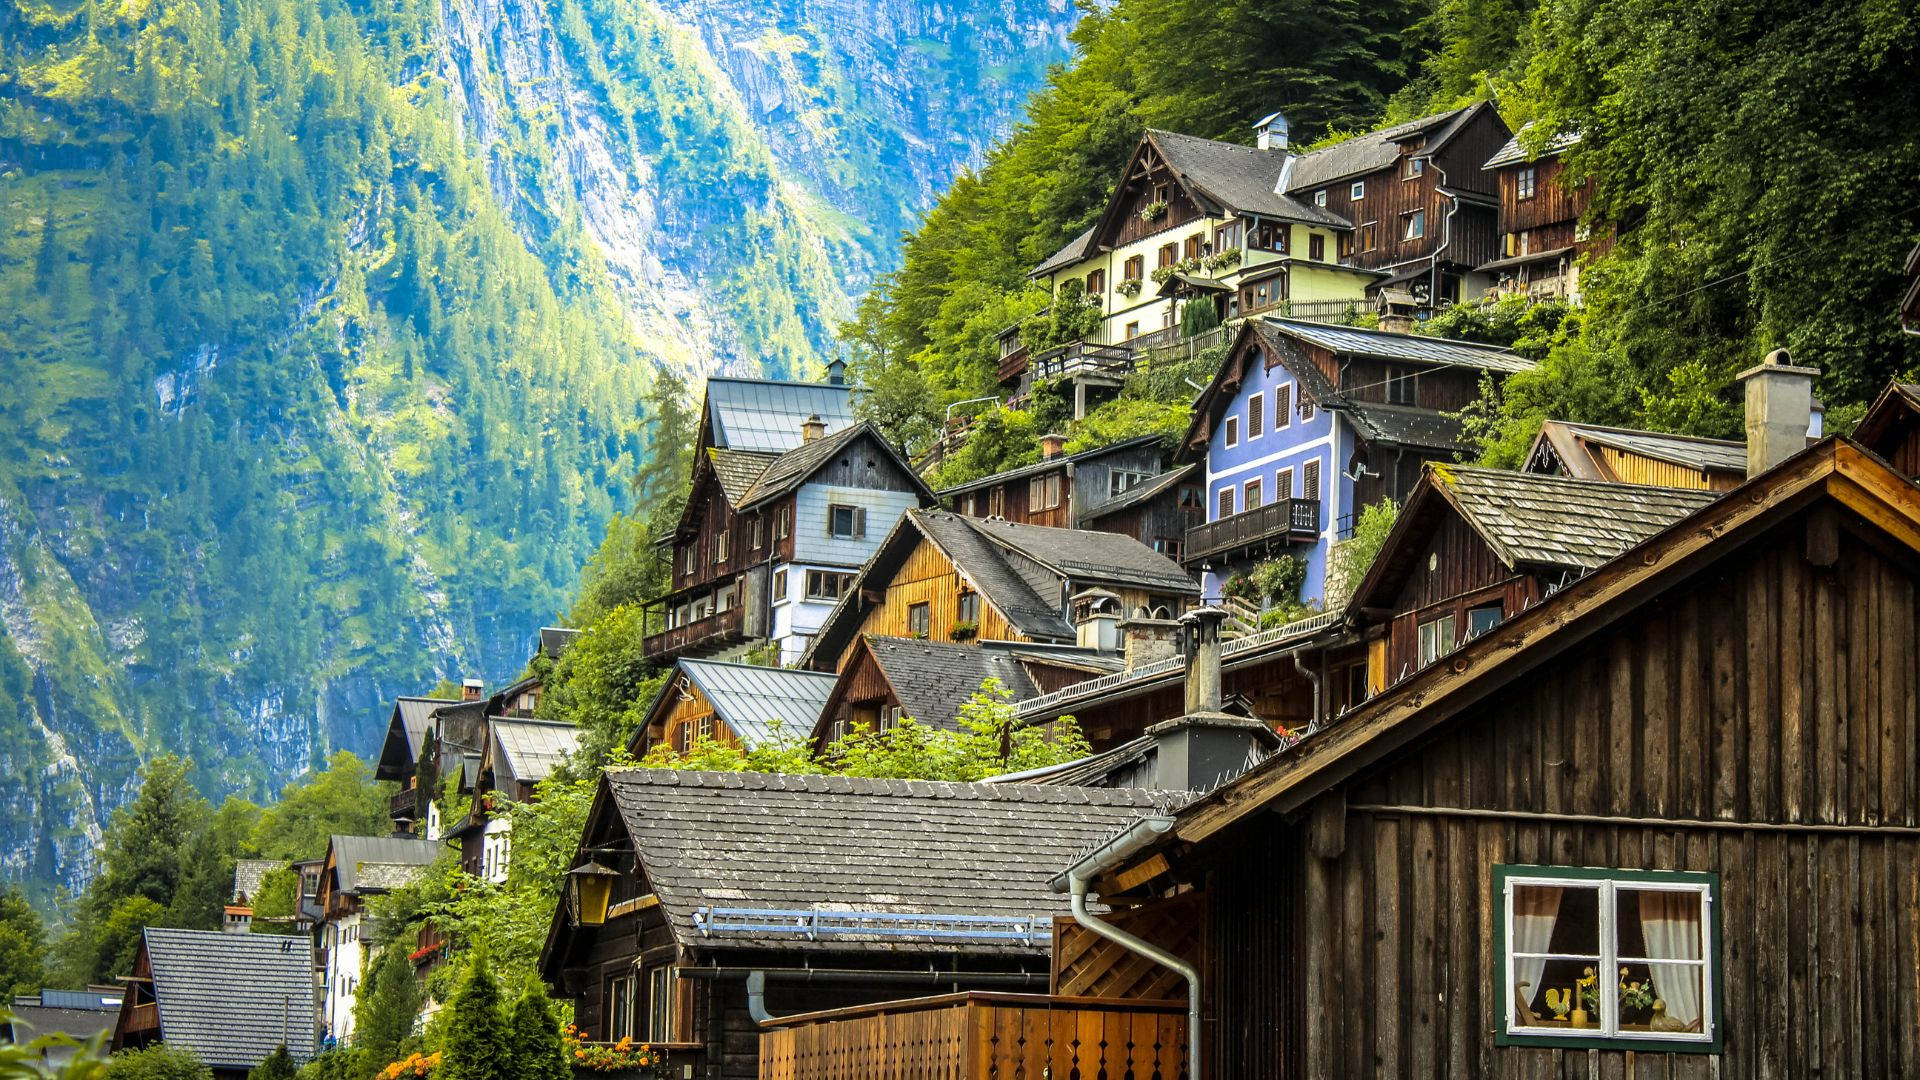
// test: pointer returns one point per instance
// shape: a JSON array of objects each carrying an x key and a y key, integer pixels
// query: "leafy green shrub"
[{"x": 161, "y": 1061}]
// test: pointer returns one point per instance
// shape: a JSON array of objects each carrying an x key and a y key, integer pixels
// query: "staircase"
[{"x": 1242, "y": 618}]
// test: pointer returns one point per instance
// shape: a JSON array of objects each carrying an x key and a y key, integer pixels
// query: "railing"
[
  {"x": 812, "y": 924},
  {"x": 979, "y": 1035},
  {"x": 1321, "y": 311},
  {"x": 404, "y": 806},
  {"x": 1283, "y": 519},
  {"x": 320, "y": 959},
  {"x": 1013, "y": 363},
  {"x": 720, "y": 628},
  {"x": 1083, "y": 358}
]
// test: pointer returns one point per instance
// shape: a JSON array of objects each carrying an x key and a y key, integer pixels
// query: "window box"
[
  {"x": 1607, "y": 959},
  {"x": 1153, "y": 211}
]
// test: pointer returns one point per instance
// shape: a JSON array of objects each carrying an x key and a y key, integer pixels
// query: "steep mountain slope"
[{"x": 326, "y": 328}]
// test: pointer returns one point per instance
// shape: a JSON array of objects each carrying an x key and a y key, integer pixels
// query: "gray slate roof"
[
  {"x": 1372, "y": 151},
  {"x": 1514, "y": 152},
  {"x": 985, "y": 565},
  {"x": 1047, "y": 464},
  {"x": 1404, "y": 425},
  {"x": 793, "y": 468},
  {"x": 764, "y": 415},
  {"x": 32, "y": 1021},
  {"x": 758, "y": 840},
  {"x": 756, "y": 701},
  {"x": 1419, "y": 348},
  {"x": 247, "y": 874},
  {"x": 1141, "y": 492},
  {"x": 1090, "y": 557},
  {"x": 534, "y": 748},
  {"x": 1714, "y": 455},
  {"x": 1530, "y": 519},
  {"x": 1240, "y": 178},
  {"x": 737, "y": 470},
  {"x": 933, "y": 679},
  {"x": 1075, "y": 250},
  {"x": 233, "y": 998},
  {"x": 352, "y": 852}
]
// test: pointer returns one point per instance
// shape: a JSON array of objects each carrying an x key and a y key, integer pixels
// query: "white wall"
[
  {"x": 496, "y": 841},
  {"x": 345, "y": 966}
]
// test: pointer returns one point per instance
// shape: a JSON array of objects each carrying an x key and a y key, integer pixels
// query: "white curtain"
[
  {"x": 1535, "y": 909},
  {"x": 1670, "y": 922}
]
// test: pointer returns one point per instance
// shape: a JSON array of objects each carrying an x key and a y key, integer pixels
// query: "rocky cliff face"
[{"x": 327, "y": 340}]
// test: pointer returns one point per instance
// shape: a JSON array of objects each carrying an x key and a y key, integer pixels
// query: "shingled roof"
[
  {"x": 844, "y": 844},
  {"x": 933, "y": 679},
  {"x": 1404, "y": 425},
  {"x": 1529, "y": 519},
  {"x": 1515, "y": 150},
  {"x": 1239, "y": 178},
  {"x": 1387, "y": 345},
  {"x": 737, "y": 470},
  {"x": 1141, "y": 492},
  {"x": 1075, "y": 250},
  {"x": 793, "y": 468},
  {"x": 233, "y": 998},
  {"x": 350, "y": 853},
  {"x": 1088, "y": 556},
  {"x": 1375, "y": 150}
]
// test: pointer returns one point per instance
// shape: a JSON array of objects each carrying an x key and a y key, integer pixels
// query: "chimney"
[
  {"x": 1200, "y": 641},
  {"x": 1148, "y": 640},
  {"x": 1052, "y": 446},
  {"x": 837, "y": 372},
  {"x": 1199, "y": 753},
  {"x": 1271, "y": 132},
  {"x": 812, "y": 428},
  {"x": 1779, "y": 410},
  {"x": 470, "y": 689}
]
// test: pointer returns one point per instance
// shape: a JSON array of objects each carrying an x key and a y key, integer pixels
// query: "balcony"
[
  {"x": 404, "y": 807},
  {"x": 1277, "y": 523},
  {"x": 716, "y": 631},
  {"x": 974, "y": 1036},
  {"x": 1080, "y": 359}
]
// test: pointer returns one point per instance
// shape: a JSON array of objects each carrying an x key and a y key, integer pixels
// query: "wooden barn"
[
  {"x": 1664, "y": 822},
  {"x": 736, "y": 704}
]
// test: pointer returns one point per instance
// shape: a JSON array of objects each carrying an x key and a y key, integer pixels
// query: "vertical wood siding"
[{"x": 928, "y": 578}]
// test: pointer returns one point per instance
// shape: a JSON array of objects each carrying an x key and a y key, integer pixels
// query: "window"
[
  {"x": 1269, "y": 236},
  {"x": 1366, "y": 236},
  {"x": 758, "y": 530},
  {"x": 1169, "y": 254},
  {"x": 846, "y": 522},
  {"x": 1194, "y": 244},
  {"x": 619, "y": 999},
  {"x": 1282, "y": 406},
  {"x": 1358, "y": 191},
  {"x": 1436, "y": 639},
  {"x": 1283, "y": 484},
  {"x": 1043, "y": 492},
  {"x": 827, "y": 584},
  {"x": 1190, "y": 500},
  {"x": 722, "y": 546},
  {"x": 1264, "y": 293},
  {"x": 1484, "y": 618},
  {"x": 1233, "y": 431},
  {"x": 1317, "y": 247},
  {"x": 1168, "y": 546},
  {"x": 997, "y": 502},
  {"x": 968, "y": 608},
  {"x": 1159, "y": 193},
  {"x": 1256, "y": 416},
  {"x": 1346, "y": 244},
  {"x": 1523, "y": 183},
  {"x": 1413, "y": 226},
  {"x": 1607, "y": 958},
  {"x": 783, "y": 523},
  {"x": 1226, "y": 502},
  {"x": 689, "y": 558},
  {"x": 1416, "y": 166},
  {"x": 779, "y": 585},
  {"x": 1119, "y": 480},
  {"x": 1306, "y": 408},
  {"x": 1133, "y": 330},
  {"x": 663, "y": 1015},
  {"x": 1400, "y": 386},
  {"x": 920, "y": 620},
  {"x": 1252, "y": 498},
  {"x": 1226, "y": 237},
  {"x": 1136, "y": 267},
  {"x": 1320, "y": 197},
  {"x": 1310, "y": 481},
  {"x": 1097, "y": 283}
]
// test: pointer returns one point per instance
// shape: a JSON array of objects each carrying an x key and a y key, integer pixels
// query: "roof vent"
[
  {"x": 837, "y": 372},
  {"x": 1271, "y": 132}
]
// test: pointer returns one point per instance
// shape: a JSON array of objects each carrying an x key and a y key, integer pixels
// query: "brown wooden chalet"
[
  {"x": 519, "y": 753},
  {"x": 708, "y": 904},
  {"x": 1626, "y": 456},
  {"x": 1124, "y": 488},
  {"x": 741, "y": 705},
  {"x": 1422, "y": 206},
  {"x": 949, "y": 577},
  {"x": 229, "y": 998},
  {"x": 1664, "y": 821},
  {"x": 1542, "y": 241},
  {"x": 1891, "y": 427}
]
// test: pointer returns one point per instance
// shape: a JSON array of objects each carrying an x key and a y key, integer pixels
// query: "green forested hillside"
[{"x": 1753, "y": 157}]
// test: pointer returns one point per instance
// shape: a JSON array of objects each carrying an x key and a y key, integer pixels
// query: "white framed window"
[
  {"x": 1358, "y": 191},
  {"x": 846, "y": 522},
  {"x": 1413, "y": 226},
  {"x": 779, "y": 585},
  {"x": 1233, "y": 431},
  {"x": 1436, "y": 638},
  {"x": 1416, "y": 166},
  {"x": 1320, "y": 197},
  {"x": 722, "y": 546},
  {"x": 1607, "y": 958},
  {"x": 1119, "y": 480},
  {"x": 619, "y": 1005},
  {"x": 827, "y": 584},
  {"x": 663, "y": 1013},
  {"x": 1251, "y": 498},
  {"x": 1523, "y": 183}
]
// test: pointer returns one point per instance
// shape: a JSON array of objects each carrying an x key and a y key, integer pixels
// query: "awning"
[{"x": 1522, "y": 260}]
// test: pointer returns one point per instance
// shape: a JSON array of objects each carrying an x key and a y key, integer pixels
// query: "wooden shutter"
[
  {"x": 1282, "y": 406},
  {"x": 1310, "y": 481}
]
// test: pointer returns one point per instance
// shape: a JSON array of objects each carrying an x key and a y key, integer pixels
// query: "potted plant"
[
  {"x": 1129, "y": 288},
  {"x": 1162, "y": 273},
  {"x": 625, "y": 1057},
  {"x": 1154, "y": 210},
  {"x": 964, "y": 630}
]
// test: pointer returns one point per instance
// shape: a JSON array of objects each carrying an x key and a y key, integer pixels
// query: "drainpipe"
[
  {"x": 757, "y": 997},
  {"x": 1115, "y": 851},
  {"x": 1314, "y": 677},
  {"x": 1446, "y": 241}
]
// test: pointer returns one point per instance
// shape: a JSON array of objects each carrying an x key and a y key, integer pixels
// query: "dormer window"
[
  {"x": 1358, "y": 191},
  {"x": 1320, "y": 197}
]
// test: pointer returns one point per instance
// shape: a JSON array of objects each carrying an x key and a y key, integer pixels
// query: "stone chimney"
[
  {"x": 1052, "y": 445},
  {"x": 471, "y": 689},
  {"x": 1096, "y": 619},
  {"x": 1200, "y": 642},
  {"x": 1779, "y": 410},
  {"x": 1271, "y": 132},
  {"x": 812, "y": 428},
  {"x": 837, "y": 372},
  {"x": 1146, "y": 640},
  {"x": 1199, "y": 753}
]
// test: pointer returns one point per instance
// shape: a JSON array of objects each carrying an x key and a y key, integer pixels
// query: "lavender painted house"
[{"x": 1306, "y": 423}]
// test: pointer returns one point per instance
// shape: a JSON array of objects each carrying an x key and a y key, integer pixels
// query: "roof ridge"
[
  {"x": 1548, "y": 479},
  {"x": 866, "y": 785}
]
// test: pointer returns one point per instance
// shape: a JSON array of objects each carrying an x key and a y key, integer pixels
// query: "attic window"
[
  {"x": 1233, "y": 431},
  {"x": 1416, "y": 166},
  {"x": 1358, "y": 191},
  {"x": 1320, "y": 197},
  {"x": 1400, "y": 386},
  {"x": 1119, "y": 480},
  {"x": 1436, "y": 638}
]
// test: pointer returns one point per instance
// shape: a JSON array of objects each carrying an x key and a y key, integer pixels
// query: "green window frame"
[{"x": 1607, "y": 1032}]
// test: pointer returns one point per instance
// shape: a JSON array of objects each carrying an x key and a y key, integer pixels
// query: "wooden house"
[
  {"x": 1663, "y": 822},
  {"x": 885, "y": 679},
  {"x": 1422, "y": 210},
  {"x": 1305, "y": 424},
  {"x": 768, "y": 543},
  {"x": 1891, "y": 427},
  {"x": 946, "y": 576},
  {"x": 354, "y": 868},
  {"x": 737, "y": 704},
  {"x": 232, "y": 999},
  {"x": 1625, "y": 456},
  {"x": 399, "y": 758},
  {"x": 1542, "y": 240},
  {"x": 519, "y": 753},
  {"x": 723, "y": 901},
  {"x": 1122, "y": 488}
]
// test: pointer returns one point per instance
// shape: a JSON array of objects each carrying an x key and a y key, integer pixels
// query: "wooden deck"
[{"x": 974, "y": 1036}]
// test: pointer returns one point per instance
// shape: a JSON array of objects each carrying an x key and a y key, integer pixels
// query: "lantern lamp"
[{"x": 589, "y": 888}]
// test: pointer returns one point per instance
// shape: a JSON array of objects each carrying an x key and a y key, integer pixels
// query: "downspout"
[
  {"x": 757, "y": 997},
  {"x": 1143, "y": 833},
  {"x": 1314, "y": 677},
  {"x": 1446, "y": 241}
]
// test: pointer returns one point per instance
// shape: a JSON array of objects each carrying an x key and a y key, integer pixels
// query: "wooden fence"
[{"x": 976, "y": 1036}]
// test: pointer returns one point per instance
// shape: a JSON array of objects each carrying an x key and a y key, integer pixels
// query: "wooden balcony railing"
[
  {"x": 1282, "y": 520},
  {"x": 1077, "y": 358},
  {"x": 975, "y": 1036},
  {"x": 1013, "y": 364},
  {"x": 719, "y": 629},
  {"x": 404, "y": 806}
]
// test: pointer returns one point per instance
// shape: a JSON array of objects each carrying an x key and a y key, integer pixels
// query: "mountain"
[{"x": 327, "y": 329}]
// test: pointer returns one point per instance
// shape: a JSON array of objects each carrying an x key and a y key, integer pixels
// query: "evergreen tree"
[
  {"x": 383, "y": 1015},
  {"x": 537, "y": 1050},
  {"x": 23, "y": 946},
  {"x": 146, "y": 837},
  {"x": 478, "y": 1047},
  {"x": 277, "y": 1066}
]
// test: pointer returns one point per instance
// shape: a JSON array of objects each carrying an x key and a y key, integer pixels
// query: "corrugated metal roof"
[
  {"x": 1531, "y": 519},
  {"x": 758, "y": 703},
  {"x": 838, "y": 843},
  {"x": 534, "y": 748},
  {"x": 233, "y": 998},
  {"x": 764, "y": 416},
  {"x": 1419, "y": 348},
  {"x": 350, "y": 852}
]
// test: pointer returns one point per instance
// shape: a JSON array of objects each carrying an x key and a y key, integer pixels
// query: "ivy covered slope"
[{"x": 326, "y": 330}]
